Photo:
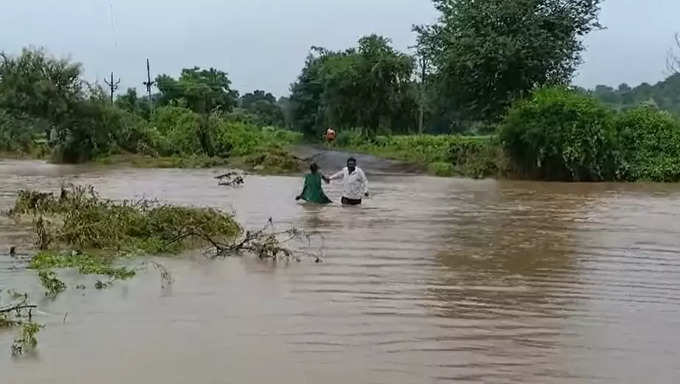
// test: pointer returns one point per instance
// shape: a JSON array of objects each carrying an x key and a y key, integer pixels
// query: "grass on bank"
[{"x": 441, "y": 155}]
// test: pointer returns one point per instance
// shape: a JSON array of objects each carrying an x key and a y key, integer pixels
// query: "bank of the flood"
[{"x": 432, "y": 280}]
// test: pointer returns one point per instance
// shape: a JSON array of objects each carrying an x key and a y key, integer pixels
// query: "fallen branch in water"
[
  {"x": 17, "y": 307},
  {"x": 265, "y": 243},
  {"x": 12, "y": 315},
  {"x": 227, "y": 175},
  {"x": 230, "y": 179}
]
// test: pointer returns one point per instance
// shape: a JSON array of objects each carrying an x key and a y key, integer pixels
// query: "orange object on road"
[{"x": 330, "y": 135}]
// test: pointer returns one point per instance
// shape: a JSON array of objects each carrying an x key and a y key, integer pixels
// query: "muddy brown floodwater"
[{"x": 432, "y": 280}]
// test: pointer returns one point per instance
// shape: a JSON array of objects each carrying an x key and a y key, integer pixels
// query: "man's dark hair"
[
  {"x": 351, "y": 159},
  {"x": 313, "y": 167}
]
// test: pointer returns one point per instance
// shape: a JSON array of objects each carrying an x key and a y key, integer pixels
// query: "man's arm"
[
  {"x": 364, "y": 182},
  {"x": 337, "y": 176}
]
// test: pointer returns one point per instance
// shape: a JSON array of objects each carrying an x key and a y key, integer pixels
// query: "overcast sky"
[{"x": 262, "y": 44}]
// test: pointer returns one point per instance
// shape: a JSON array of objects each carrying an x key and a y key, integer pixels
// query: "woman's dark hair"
[{"x": 313, "y": 167}]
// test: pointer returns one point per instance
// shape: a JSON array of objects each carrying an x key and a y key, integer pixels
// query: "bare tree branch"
[{"x": 673, "y": 58}]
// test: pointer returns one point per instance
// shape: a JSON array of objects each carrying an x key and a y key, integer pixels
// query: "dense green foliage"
[
  {"x": 263, "y": 109},
  {"x": 201, "y": 90},
  {"x": 86, "y": 264},
  {"x": 562, "y": 135},
  {"x": 488, "y": 53},
  {"x": 79, "y": 219},
  {"x": 650, "y": 144},
  {"x": 45, "y": 107},
  {"x": 556, "y": 134},
  {"x": 368, "y": 87},
  {"x": 38, "y": 86},
  {"x": 17, "y": 132}
]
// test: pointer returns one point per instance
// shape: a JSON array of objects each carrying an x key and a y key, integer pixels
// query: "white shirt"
[{"x": 355, "y": 184}]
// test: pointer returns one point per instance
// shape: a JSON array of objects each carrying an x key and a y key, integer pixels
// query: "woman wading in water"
[{"x": 312, "y": 191}]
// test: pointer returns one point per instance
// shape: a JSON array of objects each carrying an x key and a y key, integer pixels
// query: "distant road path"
[{"x": 330, "y": 160}]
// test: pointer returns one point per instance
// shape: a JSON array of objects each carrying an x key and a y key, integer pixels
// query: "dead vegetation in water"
[
  {"x": 81, "y": 220},
  {"x": 267, "y": 243},
  {"x": 20, "y": 314},
  {"x": 16, "y": 313},
  {"x": 230, "y": 179},
  {"x": 51, "y": 283},
  {"x": 26, "y": 339},
  {"x": 78, "y": 229}
]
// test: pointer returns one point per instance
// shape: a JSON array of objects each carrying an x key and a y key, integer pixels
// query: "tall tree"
[
  {"x": 202, "y": 90},
  {"x": 369, "y": 87},
  {"x": 306, "y": 109},
  {"x": 489, "y": 52},
  {"x": 40, "y": 86},
  {"x": 251, "y": 98},
  {"x": 263, "y": 107}
]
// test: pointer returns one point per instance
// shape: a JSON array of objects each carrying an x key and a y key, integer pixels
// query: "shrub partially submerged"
[
  {"x": 26, "y": 339},
  {"x": 650, "y": 144},
  {"x": 80, "y": 230},
  {"x": 79, "y": 219},
  {"x": 273, "y": 160},
  {"x": 559, "y": 134},
  {"x": 85, "y": 263}
]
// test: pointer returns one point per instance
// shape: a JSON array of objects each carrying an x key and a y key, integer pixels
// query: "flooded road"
[{"x": 432, "y": 280}]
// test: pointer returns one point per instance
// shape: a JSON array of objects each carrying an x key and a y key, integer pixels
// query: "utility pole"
[
  {"x": 148, "y": 84},
  {"x": 421, "y": 114},
  {"x": 113, "y": 85}
]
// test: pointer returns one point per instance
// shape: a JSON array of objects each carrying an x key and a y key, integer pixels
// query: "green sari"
[{"x": 312, "y": 191}]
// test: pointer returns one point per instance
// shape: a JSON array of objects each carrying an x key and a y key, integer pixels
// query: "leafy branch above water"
[
  {"x": 78, "y": 229},
  {"x": 20, "y": 314}
]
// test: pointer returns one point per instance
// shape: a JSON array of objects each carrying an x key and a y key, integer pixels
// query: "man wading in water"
[
  {"x": 312, "y": 190},
  {"x": 355, "y": 183}
]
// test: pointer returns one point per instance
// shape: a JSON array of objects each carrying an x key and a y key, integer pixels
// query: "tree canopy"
[
  {"x": 201, "y": 90},
  {"x": 39, "y": 86},
  {"x": 367, "y": 86},
  {"x": 263, "y": 107},
  {"x": 488, "y": 52}
]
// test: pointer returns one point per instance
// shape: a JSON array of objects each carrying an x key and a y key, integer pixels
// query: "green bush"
[
  {"x": 181, "y": 127},
  {"x": 241, "y": 139},
  {"x": 85, "y": 133},
  {"x": 559, "y": 134},
  {"x": 349, "y": 138},
  {"x": 650, "y": 144},
  {"x": 477, "y": 157},
  {"x": 17, "y": 132},
  {"x": 441, "y": 169}
]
